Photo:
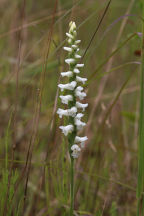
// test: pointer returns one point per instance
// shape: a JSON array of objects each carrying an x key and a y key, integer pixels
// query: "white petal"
[
  {"x": 68, "y": 86},
  {"x": 70, "y": 60},
  {"x": 75, "y": 147},
  {"x": 79, "y": 88},
  {"x": 80, "y": 139},
  {"x": 67, "y": 74},
  {"x": 68, "y": 49},
  {"x": 72, "y": 111},
  {"x": 66, "y": 129},
  {"x": 80, "y": 79},
  {"x": 80, "y": 65},
  {"x": 77, "y": 56},
  {"x": 68, "y": 112},
  {"x": 70, "y": 35},
  {"x": 79, "y": 124},
  {"x": 75, "y": 151},
  {"x": 82, "y": 106},
  {"x": 76, "y": 70},
  {"x": 79, "y": 116},
  {"x": 77, "y": 41},
  {"x": 62, "y": 112},
  {"x": 74, "y": 46},
  {"x": 69, "y": 40},
  {"x": 66, "y": 98},
  {"x": 80, "y": 94}
]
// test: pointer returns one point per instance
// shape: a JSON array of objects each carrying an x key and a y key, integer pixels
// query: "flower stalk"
[{"x": 74, "y": 94}]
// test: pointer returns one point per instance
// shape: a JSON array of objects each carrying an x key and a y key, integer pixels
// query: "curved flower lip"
[
  {"x": 74, "y": 46},
  {"x": 80, "y": 139},
  {"x": 80, "y": 94},
  {"x": 79, "y": 88},
  {"x": 72, "y": 111},
  {"x": 68, "y": 86},
  {"x": 79, "y": 116},
  {"x": 68, "y": 112},
  {"x": 76, "y": 70},
  {"x": 79, "y": 124},
  {"x": 77, "y": 41},
  {"x": 67, "y": 129},
  {"x": 80, "y": 79},
  {"x": 80, "y": 65},
  {"x": 62, "y": 112},
  {"x": 70, "y": 61},
  {"x": 67, "y": 74},
  {"x": 82, "y": 106},
  {"x": 69, "y": 49},
  {"x": 66, "y": 98}
]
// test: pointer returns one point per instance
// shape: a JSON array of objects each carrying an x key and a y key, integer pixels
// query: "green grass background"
[{"x": 34, "y": 160}]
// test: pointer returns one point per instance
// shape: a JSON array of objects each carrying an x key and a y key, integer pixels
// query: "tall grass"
[{"x": 140, "y": 187}]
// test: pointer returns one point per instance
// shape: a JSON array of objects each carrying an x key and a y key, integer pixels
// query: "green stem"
[
  {"x": 71, "y": 141},
  {"x": 72, "y": 187},
  {"x": 72, "y": 136}
]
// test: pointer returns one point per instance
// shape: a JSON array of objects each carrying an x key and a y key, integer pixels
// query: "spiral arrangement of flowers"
[{"x": 73, "y": 95}]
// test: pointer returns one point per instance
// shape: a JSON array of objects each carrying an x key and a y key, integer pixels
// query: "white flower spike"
[{"x": 72, "y": 94}]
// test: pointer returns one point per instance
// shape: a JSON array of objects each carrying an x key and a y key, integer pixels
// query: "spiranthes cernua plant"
[{"x": 73, "y": 94}]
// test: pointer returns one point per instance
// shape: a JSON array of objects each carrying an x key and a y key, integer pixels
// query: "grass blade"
[
  {"x": 140, "y": 186},
  {"x": 112, "y": 54}
]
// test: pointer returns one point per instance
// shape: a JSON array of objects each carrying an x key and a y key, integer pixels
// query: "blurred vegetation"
[{"x": 33, "y": 153}]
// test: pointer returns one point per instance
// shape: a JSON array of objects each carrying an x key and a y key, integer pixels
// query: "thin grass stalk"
[
  {"x": 91, "y": 78},
  {"x": 6, "y": 142},
  {"x": 140, "y": 186}
]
